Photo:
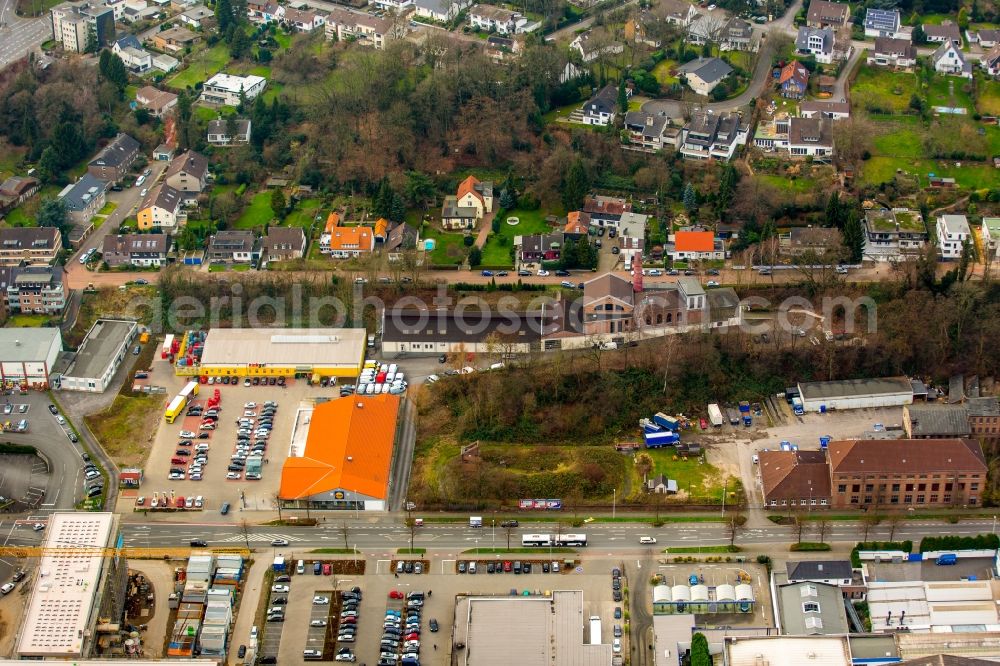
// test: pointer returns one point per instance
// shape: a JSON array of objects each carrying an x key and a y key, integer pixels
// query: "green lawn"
[
  {"x": 258, "y": 213},
  {"x": 988, "y": 102},
  {"x": 449, "y": 248},
  {"x": 899, "y": 141},
  {"x": 10, "y": 157},
  {"x": 109, "y": 208},
  {"x": 208, "y": 113},
  {"x": 693, "y": 476},
  {"x": 882, "y": 89},
  {"x": 790, "y": 185},
  {"x": 497, "y": 249},
  {"x": 18, "y": 218},
  {"x": 201, "y": 66},
  {"x": 561, "y": 112},
  {"x": 662, "y": 72},
  {"x": 304, "y": 213},
  {"x": 976, "y": 176},
  {"x": 949, "y": 91},
  {"x": 27, "y": 320}
]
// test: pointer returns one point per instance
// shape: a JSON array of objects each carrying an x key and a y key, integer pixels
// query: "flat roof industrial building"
[
  {"x": 100, "y": 355},
  {"x": 499, "y": 631},
  {"x": 856, "y": 393},
  {"x": 27, "y": 356},
  {"x": 74, "y": 584},
  {"x": 284, "y": 352}
]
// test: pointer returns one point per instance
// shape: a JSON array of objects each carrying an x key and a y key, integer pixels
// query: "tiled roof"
[
  {"x": 694, "y": 241},
  {"x": 577, "y": 222},
  {"x": 190, "y": 162},
  {"x": 818, "y": 569},
  {"x": 349, "y": 447},
  {"x": 351, "y": 238},
  {"x": 606, "y": 285},
  {"x": 902, "y": 456},
  {"x": 332, "y": 220},
  {"x": 938, "y": 420},
  {"x": 794, "y": 474},
  {"x": 117, "y": 152}
]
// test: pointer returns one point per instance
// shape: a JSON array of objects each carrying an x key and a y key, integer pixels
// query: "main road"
[{"x": 20, "y": 36}]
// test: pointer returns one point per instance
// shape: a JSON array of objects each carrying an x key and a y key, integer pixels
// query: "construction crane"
[{"x": 128, "y": 552}]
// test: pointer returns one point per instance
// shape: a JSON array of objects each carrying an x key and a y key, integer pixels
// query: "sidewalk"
[{"x": 249, "y": 598}]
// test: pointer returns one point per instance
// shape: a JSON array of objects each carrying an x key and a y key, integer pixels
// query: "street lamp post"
[{"x": 614, "y": 502}]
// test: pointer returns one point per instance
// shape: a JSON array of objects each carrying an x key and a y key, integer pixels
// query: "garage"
[{"x": 856, "y": 393}]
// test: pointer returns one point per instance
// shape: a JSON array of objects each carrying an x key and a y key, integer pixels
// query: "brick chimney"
[{"x": 637, "y": 273}]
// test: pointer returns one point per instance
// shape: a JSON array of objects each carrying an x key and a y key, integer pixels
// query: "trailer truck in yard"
[
  {"x": 655, "y": 440},
  {"x": 733, "y": 415},
  {"x": 715, "y": 415},
  {"x": 668, "y": 422}
]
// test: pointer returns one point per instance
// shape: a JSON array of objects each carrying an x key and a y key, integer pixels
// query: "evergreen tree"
[
  {"x": 568, "y": 259},
  {"x": 117, "y": 74},
  {"x": 690, "y": 198},
  {"x": 278, "y": 203},
  {"x": 508, "y": 200},
  {"x": 727, "y": 184},
  {"x": 102, "y": 63},
  {"x": 475, "y": 257},
  {"x": 52, "y": 213},
  {"x": 769, "y": 231},
  {"x": 833, "y": 211},
  {"x": 49, "y": 167},
  {"x": 622, "y": 97},
  {"x": 70, "y": 143},
  {"x": 965, "y": 260},
  {"x": 382, "y": 205},
  {"x": 224, "y": 15},
  {"x": 397, "y": 208},
  {"x": 854, "y": 237},
  {"x": 242, "y": 106},
  {"x": 919, "y": 36},
  {"x": 575, "y": 186}
]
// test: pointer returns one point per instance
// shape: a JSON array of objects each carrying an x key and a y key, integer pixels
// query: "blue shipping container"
[
  {"x": 655, "y": 440},
  {"x": 668, "y": 422}
]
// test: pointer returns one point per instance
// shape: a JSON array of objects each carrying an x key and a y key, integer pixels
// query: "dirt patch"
[{"x": 127, "y": 428}]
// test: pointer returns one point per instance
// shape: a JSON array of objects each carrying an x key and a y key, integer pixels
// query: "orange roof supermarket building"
[{"x": 341, "y": 454}]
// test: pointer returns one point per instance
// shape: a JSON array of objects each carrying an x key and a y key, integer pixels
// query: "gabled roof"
[
  {"x": 605, "y": 101},
  {"x": 906, "y": 456},
  {"x": 116, "y": 152},
  {"x": 401, "y": 236},
  {"x": 821, "y": 11},
  {"x": 162, "y": 196},
  {"x": 136, "y": 243},
  {"x": 577, "y": 222},
  {"x": 191, "y": 163},
  {"x": 794, "y": 474},
  {"x": 80, "y": 193},
  {"x": 992, "y": 56},
  {"x": 332, "y": 220},
  {"x": 154, "y": 98},
  {"x": 796, "y": 72},
  {"x": 218, "y": 126},
  {"x": 280, "y": 238},
  {"x": 947, "y": 30},
  {"x": 694, "y": 241},
  {"x": 381, "y": 227},
  {"x": 944, "y": 50},
  {"x": 351, "y": 238},
  {"x": 897, "y": 47},
  {"x": 348, "y": 447},
  {"x": 709, "y": 70},
  {"x": 938, "y": 420},
  {"x": 468, "y": 186},
  {"x": 805, "y": 33},
  {"x": 818, "y": 570},
  {"x": 28, "y": 238},
  {"x": 128, "y": 41},
  {"x": 608, "y": 285},
  {"x": 882, "y": 19},
  {"x": 982, "y": 407}
]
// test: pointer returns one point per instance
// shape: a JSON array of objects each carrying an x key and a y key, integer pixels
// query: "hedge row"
[
  {"x": 8, "y": 447},
  {"x": 980, "y": 542}
]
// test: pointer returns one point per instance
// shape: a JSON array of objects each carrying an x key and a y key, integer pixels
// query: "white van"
[{"x": 300, "y": 568}]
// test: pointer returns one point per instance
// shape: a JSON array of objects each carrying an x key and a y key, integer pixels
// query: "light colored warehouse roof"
[
  {"x": 852, "y": 388},
  {"x": 307, "y": 347},
  {"x": 57, "y": 617},
  {"x": 99, "y": 348},
  {"x": 789, "y": 651},
  {"x": 22, "y": 345}
]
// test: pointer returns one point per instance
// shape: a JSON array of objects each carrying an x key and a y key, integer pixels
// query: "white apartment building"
[{"x": 952, "y": 232}]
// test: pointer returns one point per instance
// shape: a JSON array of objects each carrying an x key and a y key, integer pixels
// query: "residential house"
[
  {"x": 78, "y": 25},
  {"x": 439, "y": 10},
  {"x": 737, "y": 35},
  {"x": 884, "y": 23},
  {"x": 304, "y": 20},
  {"x": 188, "y": 174},
  {"x": 16, "y": 190},
  {"x": 29, "y": 246},
  {"x": 135, "y": 250},
  {"x": 218, "y": 132},
  {"x": 825, "y": 109},
  {"x": 197, "y": 16},
  {"x": 906, "y": 473},
  {"x": 284, "y": 243},
  {"x": 398, "y": 7},
  {"x": 230, "y": 90},
  {"x": 809, "y": 137},
  {"x": 696, "y": 246},
  {"x": 945, "y": 33},
  {"x": 234, "y": 246},
  {"x": 477, "y": 194},
  {"x": 703, "y": 74},
  {"x": 823, "y": 14},
  {"x": 364, "y": 29},
  {"x": 502, "y": 48},
  {"x": 984, "y": 418},
  {"x": 818, "y": 240},
  {"x": 661, "y": 484},
  {"x": 577, "y": 225},
  {"x": 347, "y": 242},
  {"x": 34, "y": 289},
  {"x": 990, "y": 232},
  {"x": 892, "y": 52},
  {"x": 157, "y": 102},
  {"x": 165, "y": 63},
  {"x": 817, "y": 42},
  {"x": 711, "y": 135},
  {"x": 117, "y": 7},
  {"x": 174, "y": 39},
  {"x": 84, "y": 198},
  {"x": 332, "y": 222},
  {"x": 894, "y": 235},
  {"x": 952, "y": 233},
  {"x": 401, "y": 237},
  {"x": 457, "y": 217},
  {"x": 539, "y": 247},
  {"x": 114, "y": 161},
  {"x": 606, "y": 211},
  {"x": 948, "y": 59},
  {"x": 988, "y": 38},
  {"x": 595, "y": 43},
  {"x": 646, "y": 131},
  {"x": 811, "y": 609},
  {"x": 705, "y": 29},
  {"x": 838, "y": 573},
  {"x": 793, "y": 80},
  {"x": 602, "y": 108},
  {"x": 638, "y": 27},
  {"x": 794, "y": 478},
  {"x": 491, "y": 18},
  {"x": 161, "y": 208},
  {"x": 381, "y": 230},
  {"x": 264, "y": 11},
  {"x": 678, "y": 12},
  {"x": 935, "y": 421},
  {"x": 991, "y": 61},
  {"x": 136, "y": 59}
]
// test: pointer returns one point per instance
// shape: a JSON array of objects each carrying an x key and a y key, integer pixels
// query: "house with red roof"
[
  {"x": 577, "y": 224},
  {"x": 696, "y": 246},
  {"x": 793, "y": 81}
]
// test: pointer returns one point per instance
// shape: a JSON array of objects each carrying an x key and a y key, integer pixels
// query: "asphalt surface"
[{"x": 20, "y": 36}]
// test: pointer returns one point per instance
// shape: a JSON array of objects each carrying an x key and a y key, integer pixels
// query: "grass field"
[
  {"x": 304, "y": 214},
  {"x": 258, "y": 213},
  {"x": 27, "y": 320},
  {"x": 880, "y": 88},
  {"x": 18, "y": 218},
  {"x": 561, "y": 112},
  {"x": 497, "y": 249},
  {"x": 126, "y": 429},
  {"x": 662, "y": 72},
  {"x": 201, "y": 66},
  {"x": 988, "y": 99},
  {"x": 10, "y": 157},
  {"x": 696, "y": 480},
  {"x": 883, "y": 169},
  {"x": 793, "y": 186},
  {"x": 449, "y": 248},
  {"x": 899, "y": 142},
  {"x": 949, "y": 91}
]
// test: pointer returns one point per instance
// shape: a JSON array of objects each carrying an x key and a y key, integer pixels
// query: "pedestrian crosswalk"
[{"x": 259, "y": 536}]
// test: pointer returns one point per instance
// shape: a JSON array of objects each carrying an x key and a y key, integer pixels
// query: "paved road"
[{"x": 19, "y": 36}]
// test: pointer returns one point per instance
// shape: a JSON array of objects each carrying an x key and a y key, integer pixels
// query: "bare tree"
[
  {"x": 344, "y": 532},
  {"x": 734, "y": 524},
  {"x": 245, "y": 531},
  {"x": 411, "y": 524},
  {"x": 276, "y": 500},
  {"x": 894, "y": 520},
  {"x": 799, "y": 524},
  {"x": 508, "y": 530},
  {"x": 822, "y": 527},
  {"x": 866, "y": 525}
]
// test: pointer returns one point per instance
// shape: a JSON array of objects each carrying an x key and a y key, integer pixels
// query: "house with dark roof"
[
  {"x": 408, "y": 330},
  {"x": 646, "y": 131},
  {"x": 817, "y": 42},
  {"x": 135, "y": 58},
  {"x": 35, "y": 289},
  {"x": 823, "y": 14},
  {"x": 84, "y": 198},
  {"x": 737, "y": 35},
  {"x": 710, "y": 135},
  {"x": 884, "y": 23},
  {"x": 602, "y": 108},
  {"x": 794, "y": 478},
  {"x": 907, "y": 473},
  {"x": 704, "y": 74},
  {"x": 946, "y": 32},
  {"x": 539, "y": 247},
  {"x": 892, "y": 52},
  {"x": 114, "y": 161},
  {"x": 828, "y": 572},
  {"x": 987, "y": 38},
  {"x": 233, "y": 246},
  {"x": 162, "y": 208},
  {"x": 218, "y": 132},
  {"x": 135, "y": 250},
  {"x": 401, "y": 237},
  {"x": 793, "y": 80},
  {"x": 984, "y": 418},
  {"x": 284, "y": 243},
  {"x": 661, "y": 484},
  {"x": 606, "y": 211},
  {"x": 156, "y": 101},
  {"x": 991, "y": 61},
  {"x": 16, "y": 190},
  {"x": 922, "y": 421},
  {"x": 29, "y": 246},
  {"x": 188, "y": 174},
  {"x": 809, "y": 137}
]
